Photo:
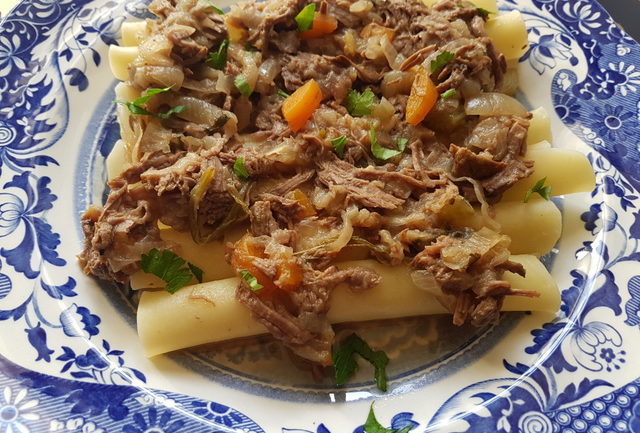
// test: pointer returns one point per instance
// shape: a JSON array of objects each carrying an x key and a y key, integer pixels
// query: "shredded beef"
[
  {"x": 232, "y": 153},
  {"x": 334, "y": 80},
  {"x": 339, "y": 173}
]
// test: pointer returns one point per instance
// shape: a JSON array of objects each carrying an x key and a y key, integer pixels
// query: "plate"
[{"x": 69, "y": 356}]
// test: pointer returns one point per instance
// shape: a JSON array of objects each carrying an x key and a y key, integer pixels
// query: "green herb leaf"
[
  {"x": 360, "y": 104},
  {"x": 170, "y": 268},
  {"x": 402, "y": 143},
  {"x": 305, "y": 17},
  {"x": 449, "y": 94},
  {"x": 172, "y": 110},
  {"x": 215, "y": 8},
  {"x": 483, "y": 11},
  {"x": 282, "y": 93},
  {"x": 441, "y": 61},
  {"x": 250, "y": 48},
  {"x": 218, "y": 59},
  {"x": 544, "y": 191},
  {"x": 338, "y": 145},
  {"x": 383, "y": 153},
  {"x": 240, "y": 169},
  {"x": 135, "y": 107},
  {"x": 251, "y": 280},
  {"x": 346, "y": 366},
  {"x": 242, "y": 85},
  {"x": 372, "y": 425}
]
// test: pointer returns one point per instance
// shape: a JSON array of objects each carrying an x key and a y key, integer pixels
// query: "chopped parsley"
[
  {"x": 170, "y": 268},
  {"x": 282, "y": 93},
  {"x": 218, "y": 59},
  {"x": 240, "y": 169},
  {"x": 441, "y": 61},
  {"x": 544, "y": 191},
  {"x": 449, "y": 94},
  {"x": 360, "y": 104},
  {"x": 483, "y": 11},
  {"x": 372, "y": 425},
  {"x": 305, "y": 17},
  {"x": 384, "y": 153},
  {"x": 215, "y": 8},
  {"x": 135, "y": 107},
  {"x": 402, "y": 143},
  {"x": 346, "y": 366},
  {"x": 242, "y": 85},
  {"x": 338, "y": 145},
  {"x": 251, "y": 280}
]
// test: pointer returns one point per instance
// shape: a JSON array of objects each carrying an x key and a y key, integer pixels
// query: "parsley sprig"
[
  {"x": 218, "y": 59},
  {"x": 360, "y": 104},
  {"x": 484, "y": 11},
  {"x": 384, "y": 153},
  {"x": 215, "y": 8},
  {"x": 242, "y": 85},
  {"x": 441, "y": 61},
  {"x": 239, "y": 169},
  {"x": 540, "y": 188},
  {"x": 338, "y": 145},
  {"x": 372, "y": 425},
  {"x": 136, "y": 107},
  {"x": 305, "y": 17},
  {"x": 170, "y": 268},
  {"x": 449, "y": 94},
  {"x": 346, "y": 366},
  {"x": 251, "y": 280}
]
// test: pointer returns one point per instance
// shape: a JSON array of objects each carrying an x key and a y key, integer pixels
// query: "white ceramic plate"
[{"x": 69, "y": 354}]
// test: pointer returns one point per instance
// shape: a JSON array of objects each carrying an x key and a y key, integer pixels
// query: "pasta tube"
[
  {"x": 519, "y": 220},
  {"x": 119, "y": 60},
  {"x": 539, "y": 127},
  {"x": 508, "y": 33},
  {"x": 567, "y": 171},
  {"x": 133, "y": 33},
  {"x": 208, "y": 312}
]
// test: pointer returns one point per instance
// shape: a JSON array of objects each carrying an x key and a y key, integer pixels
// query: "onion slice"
[{"x": 494, "y": 104}]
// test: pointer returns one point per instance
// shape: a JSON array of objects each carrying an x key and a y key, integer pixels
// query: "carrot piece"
[
  {"x": 422, "y": 98},
  {"x": 322, "y": 25},
  {"x": 299, "y": 196},
  {"x": 288, "y": 273},
  {"x": 244, "y": 253},
  {"x": 299, "y": 107}
]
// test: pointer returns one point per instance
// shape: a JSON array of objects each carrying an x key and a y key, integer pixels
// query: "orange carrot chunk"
[
  {"x": 422, "y": 98},
  {"x": 299, "y": 107},
  {"x": 322, "y": 25}
]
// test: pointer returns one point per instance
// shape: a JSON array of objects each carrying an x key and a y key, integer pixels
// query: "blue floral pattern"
[{"x": 566, "y": 379}]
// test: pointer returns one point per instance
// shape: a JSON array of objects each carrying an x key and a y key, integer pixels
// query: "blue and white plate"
[{"x": 69, "y": 355}]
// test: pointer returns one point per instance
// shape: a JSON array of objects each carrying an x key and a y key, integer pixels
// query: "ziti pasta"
[{"x": 296, "y": 163}]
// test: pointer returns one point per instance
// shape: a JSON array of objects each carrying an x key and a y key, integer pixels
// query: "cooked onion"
[
  {"x": 156, "y": 51},
  {"x": 155, "y": 138},
  {"x": 390, "y": 52},
  {"x": 199, "y": 111},
  {"x": 224, "y": 83},
  {"x": 396, "y": 82},
  {"x": 494, "y": 104},
  {"x": 157, "y": 76},
  {"x": 424, "y": 280},
  {"x": 460, "y": 255},
  {"x": 267, "y": 72},
  {"x": 248, "y": 61}
]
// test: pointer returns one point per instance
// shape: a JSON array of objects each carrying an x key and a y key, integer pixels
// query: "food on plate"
[{"x": 292, "y": 164}]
